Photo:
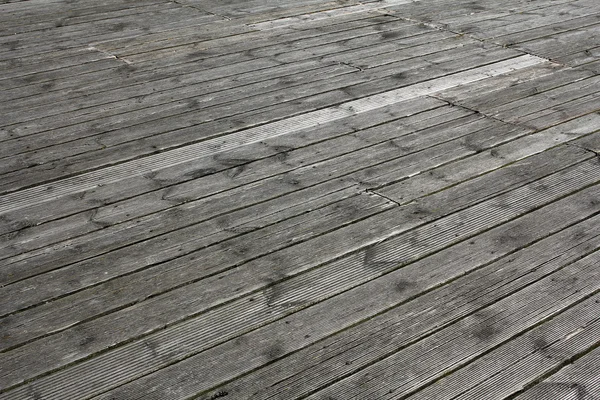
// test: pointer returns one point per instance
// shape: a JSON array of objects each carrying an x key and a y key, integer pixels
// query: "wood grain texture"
[{"x": 277, "y": 199}]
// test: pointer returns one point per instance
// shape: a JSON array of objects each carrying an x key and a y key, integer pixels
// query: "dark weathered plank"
[
  {"x": 490, "y": 277},
  {"x": 244, "y": 166},
  {"x": 328, "y": 97},
  {"x": 302, "y": 328},
  {"x": 479, "y": 217},
  {"x": 277, "y": 199},
  {"x": 526, "y": 359},
  {"x": 577, "y": 380}
]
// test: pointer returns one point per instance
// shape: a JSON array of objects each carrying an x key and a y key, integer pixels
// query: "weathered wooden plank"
[
  {"x": 300, "y": 328},
  {"x": 416, "y": 310},
  {"x": 525, "y": 360},
  {"x": 583, "y": 57},
  {"x": 521, "y": 200},
  {"x": 562, "y": 18},
  {"x": 37, "y": 195},
  {"x": 256, "y": 192},
  {"x": 256, "y": 162},
  {"x": 577, "y": 380},
  {"x": 561, "y": 112},
  {"x": 301, "y": 21},
  {"x": 561, "y": 44},
  {"x": 530, "y": 107},
  {"x": 521, "y": 22},
  {"x": 436, "y": 179},
  {"x": 511, "y": 87},
  {"x": 473, "y": 336},
  {"x": 592, "y": 66},
  {"x": 433, "y": 11}
]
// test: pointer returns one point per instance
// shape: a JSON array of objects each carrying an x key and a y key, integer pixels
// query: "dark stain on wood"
[
  {"x": 391, "y": 35},
  {"x": 120, "y": 27},
  {"x": 274, "y": 351},
  {"x": 200, "y": 173},
  {"x": 485, "y": 332},
  {"x": 369, "y": 261},
  {"x": 218, "y": 395},
  {"x": 87, "y": 340},
  {"x": 402, "y": 286}
]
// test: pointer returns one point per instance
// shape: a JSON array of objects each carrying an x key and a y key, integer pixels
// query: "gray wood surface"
[{"x": 277, "y": 199}]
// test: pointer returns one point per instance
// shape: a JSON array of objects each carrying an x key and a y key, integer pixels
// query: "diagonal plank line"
[{"x": 47, "y": 192}]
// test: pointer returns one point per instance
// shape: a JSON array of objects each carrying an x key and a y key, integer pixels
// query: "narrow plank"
[
  {"x": 421, "y": 308},
  {"x": 255, "y": 162},
  {"x": 137, "y": 231},
  {"x": 299, "y": 328},
  {"x": 489, "y": 327},
  {"x": 577, "y": 380},
  {"x": 521, "y": 200},
  {"x": 91, "y": 180},
  {"x": 524, "y": 361}
]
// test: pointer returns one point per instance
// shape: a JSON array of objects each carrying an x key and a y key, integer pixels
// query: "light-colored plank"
[{"x": 149, "y": 164}]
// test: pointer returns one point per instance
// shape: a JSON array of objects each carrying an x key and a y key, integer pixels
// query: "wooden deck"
[{"x": 300, "y": 199}]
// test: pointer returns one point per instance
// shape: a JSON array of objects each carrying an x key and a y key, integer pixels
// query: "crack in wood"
[
  {"x": 373, "y": 192},
  {"x": 110, "y": 55}
]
